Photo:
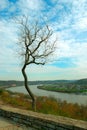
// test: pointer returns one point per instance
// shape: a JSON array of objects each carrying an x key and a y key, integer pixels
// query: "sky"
[{"x": 67, "y": 19}]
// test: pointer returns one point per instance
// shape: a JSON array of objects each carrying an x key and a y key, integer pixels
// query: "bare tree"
[{"x": 35, "y": 47}]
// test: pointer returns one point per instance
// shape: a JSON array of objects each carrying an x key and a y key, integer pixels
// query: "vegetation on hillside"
[
  {"x": 44, "y": 105},
  {"x": 69, "y": 86},
  {"x": 65, "y": 88}
]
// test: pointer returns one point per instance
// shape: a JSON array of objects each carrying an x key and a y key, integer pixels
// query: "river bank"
[
  {"x": 55, "y": 88},
  {"x": 46, "y": 105},
  {"x": 63, "y": 90},
  {"x": 70, "y": 98}
]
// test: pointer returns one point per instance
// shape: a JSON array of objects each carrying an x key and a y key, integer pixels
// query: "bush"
[
  {"x": 1, "y": 91},
  {"x": 45, "y": 105}
]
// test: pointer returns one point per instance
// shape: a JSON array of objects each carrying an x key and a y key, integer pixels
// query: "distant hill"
[
  {"x": 21, "y": 83},
  {"x": 10, "y": 83},
  {"x": 81, "y": 82}
]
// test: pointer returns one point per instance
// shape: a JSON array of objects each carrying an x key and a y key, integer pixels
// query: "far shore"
[{"x": 63, "y": 91}]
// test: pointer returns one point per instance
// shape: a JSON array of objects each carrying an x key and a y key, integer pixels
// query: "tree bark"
[{"x": 28, "y": 89}]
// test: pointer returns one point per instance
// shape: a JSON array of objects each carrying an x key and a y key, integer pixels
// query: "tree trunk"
[{"x": 27, "y": 88}]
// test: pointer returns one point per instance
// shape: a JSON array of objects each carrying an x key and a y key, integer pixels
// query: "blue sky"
[{"x": 68, "y": 20}]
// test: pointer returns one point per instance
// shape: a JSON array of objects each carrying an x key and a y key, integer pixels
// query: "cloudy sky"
[{"x": 67, "y": 18}]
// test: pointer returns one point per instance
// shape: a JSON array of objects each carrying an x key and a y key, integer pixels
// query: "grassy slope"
[{"x": 44, "y": 105}]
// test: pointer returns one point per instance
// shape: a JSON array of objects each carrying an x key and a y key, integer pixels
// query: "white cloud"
[
  {"x": 54, "y": 73},
  {"x": 8, "y": 37},
  {"x": 4, "y": 4},
  {"x": 79, "y": 13},
  {"x": 28, "y": 6},
  {"x": 65, "y": 25},
  {"x": 81, "y": 24},
  {"x": 72, "y": 49}
]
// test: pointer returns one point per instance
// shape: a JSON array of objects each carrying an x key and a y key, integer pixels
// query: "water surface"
[{"x": 71, "y": 98}]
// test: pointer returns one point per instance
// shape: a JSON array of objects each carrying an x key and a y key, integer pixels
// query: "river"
[{"x": 70, "y": 98}]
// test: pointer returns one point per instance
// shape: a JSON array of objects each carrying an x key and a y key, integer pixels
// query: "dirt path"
[
  {"x": 4, "y": 122},
  {"x": 8, "y": 125}
]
